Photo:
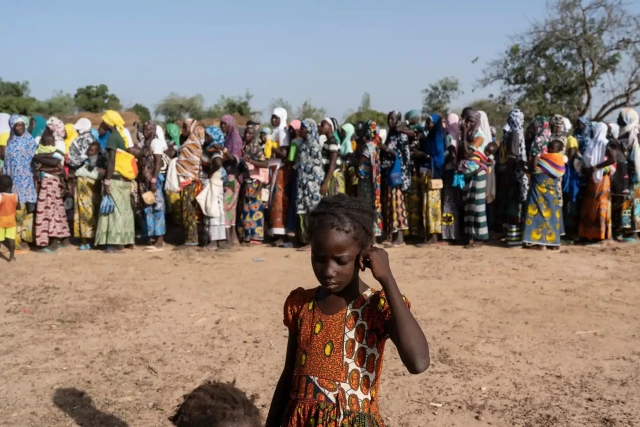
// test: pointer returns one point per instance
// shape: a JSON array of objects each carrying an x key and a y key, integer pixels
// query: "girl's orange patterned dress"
[{"x": 339, "y": 361}]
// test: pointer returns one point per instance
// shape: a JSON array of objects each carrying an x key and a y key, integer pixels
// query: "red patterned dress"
[{"x": 338, "y": 361}]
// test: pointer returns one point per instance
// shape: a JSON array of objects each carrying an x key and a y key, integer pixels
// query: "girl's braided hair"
[{"x": 352, "y": 216}]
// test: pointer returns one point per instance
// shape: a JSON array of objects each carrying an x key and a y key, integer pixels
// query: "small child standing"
[
  {"x": 338, "y": 330},
  {"x": 211, "y": 202},
  {"x": 8, "y": 207}
]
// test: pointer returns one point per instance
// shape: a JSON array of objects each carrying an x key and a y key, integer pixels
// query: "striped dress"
[{"x": 475, "y": 207}]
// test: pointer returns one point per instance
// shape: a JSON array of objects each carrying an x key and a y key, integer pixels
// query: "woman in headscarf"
[
  {"x": 582, "y": 133},
  {"x": 543, "y": 219},
  {"x": 232, "y": 156},
  {"x": 430, "y": 167},
  {"x": 38, "y": 125},
  {"x": 115, "y": 226},
  {"x": 51, "y": 226},
  {"x": 397, "y": 148},
  {"x": 151, "y": 180},
  {"x": 474, "y": 194},
  {"x": 628, "y": 140},
  {"x": 251, "y": 224},
  {"x": 86, "y": 200},
  {"x": 537, "y": 136},
  {"x": 485, "y": 127},
  {"x": 172, "y": 198},
  {"x": 366, "y": 159},
  {"x": 311, "y": 175},
  {"x": 70, "y": 135},
  {"x": 173, "y": 130},
  {"x": 18, "y": 164},
  {"x": 334, "y": 178},
  {"x": 595, "y": 220},
  {"x": 188, "y": 169},
  {"x": 279, "y": 201},
  {"x": 416, "y": 130},
  {"x": 56, "y": 128},
  {"x": 451, "y": 224},
  {"x": 513, "y": 178},
  {"x": 292, "y": 210}
]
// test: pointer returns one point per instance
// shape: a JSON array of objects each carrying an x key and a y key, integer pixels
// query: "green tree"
[
  {"x": 176, "y": 107},
  {"x": 438, "y": 96},
  {"x": 308, "y": 111},
  {"x": 280, "y": 103},
  {"x": 366, "y": 113},
  {"x": 143, "y": 112},
  {"x": 60, "y": 104},
  {"x": 14, "y": 97},
  {"x": 582, "y": 50},
  {"x": 96, "y": 99},
  {"x": 233, "y": 105},
  {"x": 18, "y": 89}
]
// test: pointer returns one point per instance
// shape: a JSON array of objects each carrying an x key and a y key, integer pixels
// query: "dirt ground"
[{"x": 517, "y": 337}]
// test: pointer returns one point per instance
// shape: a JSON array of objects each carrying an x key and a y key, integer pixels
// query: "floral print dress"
[
  {"x": 338, "y": 362},
  {"x": 310, "y": 171}
]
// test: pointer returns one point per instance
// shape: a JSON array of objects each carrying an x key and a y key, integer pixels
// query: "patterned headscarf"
[
  {"x": 543, "y": 134},
  {"x": 78, "y": 148},
  {"x": 516, "y": 124},
  {"x": 56, "y": 126},
  {"x": 312, "y": 127},
  {"x": 397, "y": 115},
  {"x": 233, "y": 141},
  {"x": 216, "y": 134},
  {"x": 15, "y": 119},
  {"x": 583, "y": 137},
  {"x": 189, "y": 160},
  {"x": 557, "y": 121}
]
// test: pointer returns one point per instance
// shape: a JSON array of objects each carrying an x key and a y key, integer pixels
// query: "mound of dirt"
[{"x": 214, "y": 404}]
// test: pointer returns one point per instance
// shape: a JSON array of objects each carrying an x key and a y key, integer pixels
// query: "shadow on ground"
[{"x": 79, "y": 406}]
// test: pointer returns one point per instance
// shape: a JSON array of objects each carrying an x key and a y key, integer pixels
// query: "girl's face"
[
  {"x": 275, "y": 121},
  {"x": 325, "y": 128},
  {"x": 391, "y": 121},
  {"x": 224, "y": 127},
  {"x": 293, "y": 134},
  {"x": 18, "y": 129},
  {"x": 185, "y": 129},
  {"x": 148, "y": 133},
  {"x": 304, "y": 132},
  {"x": 263, "y": 137},
  {"x": 557, "y": 129},
  {"x": 335, "y": 258},
  {"x": 208, "y": 138},
  {"x": 249, "y": 133}
]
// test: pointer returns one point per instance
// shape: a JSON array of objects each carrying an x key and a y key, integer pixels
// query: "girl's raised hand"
[{"x": 378, "y": 261}]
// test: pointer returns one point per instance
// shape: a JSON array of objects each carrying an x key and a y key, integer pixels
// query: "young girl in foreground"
[{"x": 337, "y": 331}]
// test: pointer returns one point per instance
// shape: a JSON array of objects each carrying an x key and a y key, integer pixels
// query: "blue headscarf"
[
  {"x": 433, "y": 145},
  {"x": 216, "y": 133},
  {"x": 583, "y": 137},
  {"x": 39, "y": 126},
  {"x": 103, "y": 139}
]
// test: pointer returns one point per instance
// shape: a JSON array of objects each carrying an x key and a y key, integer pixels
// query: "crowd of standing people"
[{"x": 433, "y": 178}]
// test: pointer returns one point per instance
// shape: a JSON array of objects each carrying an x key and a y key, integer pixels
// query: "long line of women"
[{"x": 428, "y": 177}]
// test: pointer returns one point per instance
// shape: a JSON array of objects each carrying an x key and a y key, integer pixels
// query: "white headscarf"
[
  {"x": 4, "y": 123},
  {"x": 161, "y": 138},
  {"x": 485, "y": 127},
  {"x": 597, "y": 149},
  {"x": 630, "y": 117},
  {"x": 383, "y": 135},
  {"x": 615, "y": 130},
  {"x": 280, "y": 133},
  {"x": 83, "y": 125},
  {"x": 566, "y": 125}
]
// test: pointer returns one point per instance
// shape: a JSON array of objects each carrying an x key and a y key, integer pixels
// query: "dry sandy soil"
[{"x": 518, "y": 337}]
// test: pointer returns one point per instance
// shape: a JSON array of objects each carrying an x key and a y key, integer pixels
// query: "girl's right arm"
[{"x": 280, "y": 399}]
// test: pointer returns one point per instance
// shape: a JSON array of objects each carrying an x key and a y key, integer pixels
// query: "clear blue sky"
[{"x": 330, "y": 52}]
